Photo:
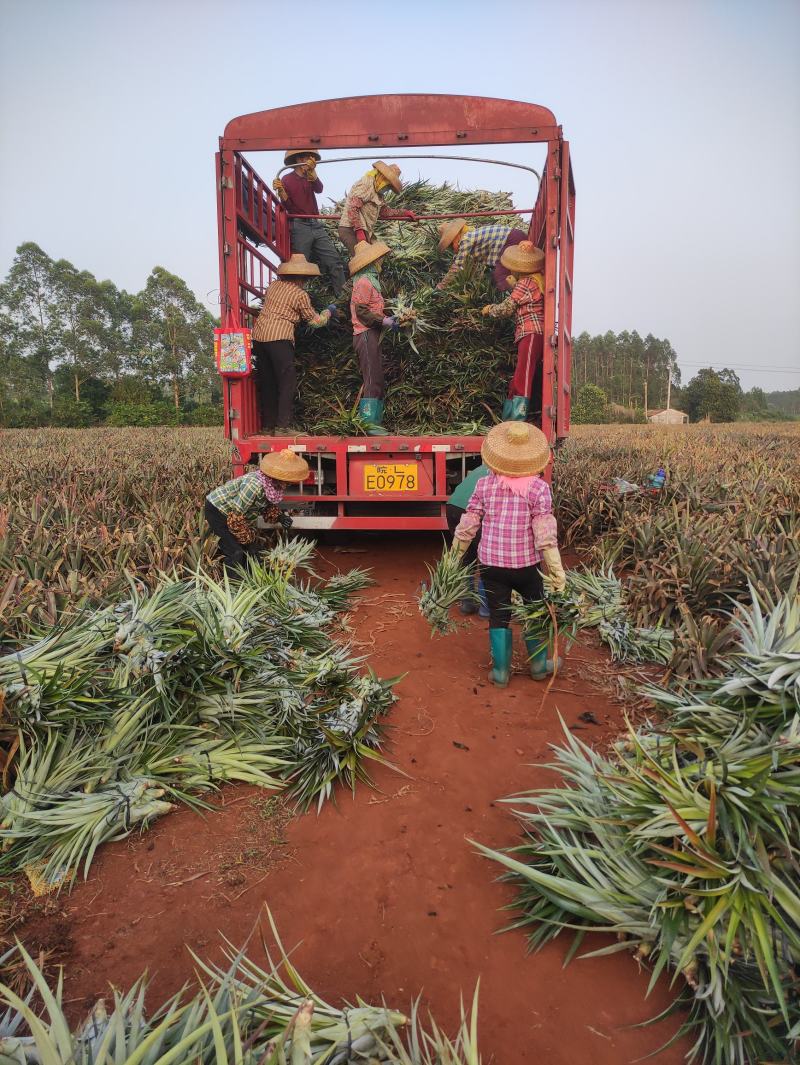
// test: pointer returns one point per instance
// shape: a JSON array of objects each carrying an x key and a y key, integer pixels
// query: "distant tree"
[
  {"x": 172, "y": 333},
  {"x": 712, "y": 393},
  {"x": 28, "y": 323},
  {"x": 591, "y": 407}
]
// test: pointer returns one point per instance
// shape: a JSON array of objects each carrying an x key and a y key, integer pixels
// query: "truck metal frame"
[{"x": 250, "y": 217}]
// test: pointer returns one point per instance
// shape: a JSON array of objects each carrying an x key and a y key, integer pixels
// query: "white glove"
[{"x": 552, "y": 560}]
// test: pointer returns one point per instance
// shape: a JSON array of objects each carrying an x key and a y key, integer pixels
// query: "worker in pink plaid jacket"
[{"x": 512, "y": 507}]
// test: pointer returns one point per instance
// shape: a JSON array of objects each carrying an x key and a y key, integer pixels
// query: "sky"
[{"x": 683, "y": 120}]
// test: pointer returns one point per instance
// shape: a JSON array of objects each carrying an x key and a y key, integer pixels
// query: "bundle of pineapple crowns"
[{"x": 448, "y": 368}]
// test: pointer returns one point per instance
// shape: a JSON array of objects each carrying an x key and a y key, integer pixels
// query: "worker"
[
  {"x": 231, "y": 508},
  {"x": 526, "y": 303},
  {"x": 364, "y": 205},
  {"x": 285, "y": 304},
  {"x": 484, "y": 245},
  {"x": 309, "y": 236},
  {"x": 454, "y": 512},
  {"x": 512, "y": 507},
  {"x": 367, "y": 313}
]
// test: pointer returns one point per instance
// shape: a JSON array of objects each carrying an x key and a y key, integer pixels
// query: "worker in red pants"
[{"x": 526, "y": 303}]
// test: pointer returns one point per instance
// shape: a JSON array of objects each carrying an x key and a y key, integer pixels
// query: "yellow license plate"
[{"x": 392, "y": 477}]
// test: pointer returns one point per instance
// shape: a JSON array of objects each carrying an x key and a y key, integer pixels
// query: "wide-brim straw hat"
[
  {"x": 391, "y": 173},
  {"x": 515, "y": 449},
  {"x": 523, "y": 258},
  {"x": 292, "y": 154},
  {"x": 298, "y": 266},
  {"x": 364, "y": 254},
  {"x": 448, "y": 231},
  {"x": 285, "y": 466}
]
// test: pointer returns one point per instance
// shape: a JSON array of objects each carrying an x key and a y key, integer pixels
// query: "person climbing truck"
[
  {"x": 285, "y": 304},
  {"x": 230, "y": 509},
  {"x": 513, "y": 509},
  {"x": 364, "y": 205},
  {"x": 526, "y": 303},
  {"x": 483, "y": 244},
  {"x": 298, "y": 191},
  {"x": 366, "y": 309}
]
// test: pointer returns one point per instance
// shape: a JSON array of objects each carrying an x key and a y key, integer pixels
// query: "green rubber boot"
[
  {"x": 519, "y": 409},
  {"x": 500, "y": 645},
  {"x": 371, "y": 410},
  {"x": 541, "y": 666},
  {"x": 506, "y": 415}
]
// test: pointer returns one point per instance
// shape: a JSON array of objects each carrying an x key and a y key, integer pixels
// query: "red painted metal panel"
[
  {"x": 407, "y": 120},
  {"x": 550, "y": 183},
  {"x": 566, "y": 258}
]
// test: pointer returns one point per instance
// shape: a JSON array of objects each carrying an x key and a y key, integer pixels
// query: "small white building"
[{"x": 669, "y": 416}]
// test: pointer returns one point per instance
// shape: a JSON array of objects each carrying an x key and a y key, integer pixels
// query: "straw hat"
[
  {"x": 285, "y": 466},
  {"x": 298, "y": 266},
  {"x": 448, "y": 231},
  {"x": 365, "y": 253},
  {"x": 292, "y": 154},
  {"x": 523, "y": 258},
  {"x": 391, "y": 173},
  {"x": 515, "y": 449}
]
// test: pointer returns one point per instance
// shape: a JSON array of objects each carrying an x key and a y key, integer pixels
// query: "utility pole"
[
  {"x": 669, "y": 383},
  {"x": 645, "y": 397}
]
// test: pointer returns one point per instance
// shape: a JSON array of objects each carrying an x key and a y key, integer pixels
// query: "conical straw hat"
[
  {"x": 285, "y": 466},
  {"x": 523, "y": 258},
  {"x": 515, "y": 449},
  {"x": 448, "y": 231},
  {"x": 298, "y": 266},
  {"x": 292, "y": 154},
  {"x": 391, "y": 173},
  {"x": 365, "y": 253}
]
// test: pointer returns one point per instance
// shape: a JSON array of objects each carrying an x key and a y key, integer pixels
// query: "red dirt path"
[{"x": 382, "y": 893}]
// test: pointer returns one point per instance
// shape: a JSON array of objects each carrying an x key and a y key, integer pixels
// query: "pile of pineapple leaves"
[
  {"x": 241, "y": 1013},
  {"x": 684, "y": 840},
  {"x": 449, "y": 371},
  {"x": 160, "y": 697}
]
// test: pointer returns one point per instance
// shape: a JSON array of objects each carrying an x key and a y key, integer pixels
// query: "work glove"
[
  {"x": 511, "y": 281},
  {"x": 360, "y": 234},
  {"x": 555, "y": 571},
  {"x": 285, "y": 521},
  {"x": 391, "y": 323},
  {"x": 277, "y": 185},
  {"x": 332, "y": 310},
  {"x": 487, "y": 310},
  {"x": 311, "y": 174},
  {"x": 459, "y": 547}
]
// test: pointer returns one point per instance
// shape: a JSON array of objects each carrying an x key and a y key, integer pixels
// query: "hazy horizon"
[{"x": 683, "y": 121}]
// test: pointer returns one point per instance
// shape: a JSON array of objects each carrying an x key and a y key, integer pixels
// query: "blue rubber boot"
[
  {"x": 519, "y": 409},
  {"x": 506, "y": 415},
  {"x": 541, "y": 666},
  {"x": 371, "y": 410},
  {"x": 500, "y": 644},
  {"x": 483, "y": 610}
]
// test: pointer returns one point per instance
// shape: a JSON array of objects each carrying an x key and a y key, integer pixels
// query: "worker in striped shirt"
[
  {"x": 513, "y": 509},
  {"x": 285, "y": 304},
  {"x": 526, "y": 303},
  {"x": 484, "y": 245}
]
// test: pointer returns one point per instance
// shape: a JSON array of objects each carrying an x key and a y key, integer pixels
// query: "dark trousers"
[
  {"x": 233, "y": 552},
  {"x": 500, "y": 581},
  {"x": 370, "y": 360},
  {"x": 454, "y": 516},
  {"x": 276, "y": 381},
  {"x": 311, "y": 238},
  {"x": 347, "y": 235}
]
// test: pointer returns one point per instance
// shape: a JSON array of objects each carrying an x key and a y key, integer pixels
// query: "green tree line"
[
  {"x": 618, "y": 376},
  {"x": 78, "y": 351}
]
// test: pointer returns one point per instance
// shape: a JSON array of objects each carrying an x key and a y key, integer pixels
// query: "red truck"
[{"x": 347, "y": 488}]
